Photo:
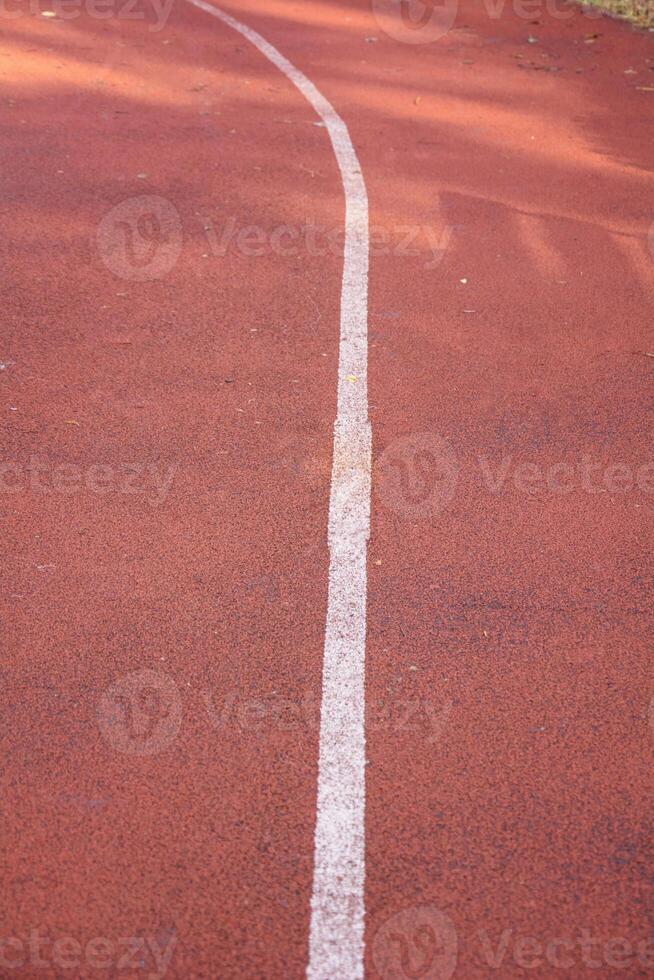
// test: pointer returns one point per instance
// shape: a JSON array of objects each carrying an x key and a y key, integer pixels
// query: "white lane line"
[{"x": 337, "y": 902}]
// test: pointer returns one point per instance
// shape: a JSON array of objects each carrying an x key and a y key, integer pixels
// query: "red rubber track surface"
[{"x": 515, "y": 624}]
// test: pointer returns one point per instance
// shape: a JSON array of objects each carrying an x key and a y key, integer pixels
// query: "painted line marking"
[{"x": 337, "y": 902}]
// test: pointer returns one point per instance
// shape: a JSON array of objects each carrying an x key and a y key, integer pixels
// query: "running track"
[{"x": 168, "y": 818}]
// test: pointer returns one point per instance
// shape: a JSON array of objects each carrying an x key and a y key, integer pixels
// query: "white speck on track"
[{"x": 337, "y": 902}]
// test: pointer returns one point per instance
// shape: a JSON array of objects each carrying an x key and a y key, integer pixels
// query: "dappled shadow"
[
  {"x": 488, "y": 160},
  {"x": 479, "y": 158},
  {"x": 508, "y": 271},
  {"x": 478, "y": 96}
]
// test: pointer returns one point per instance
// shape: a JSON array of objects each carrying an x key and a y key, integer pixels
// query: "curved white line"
[{"x": 337, "y": 902}]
